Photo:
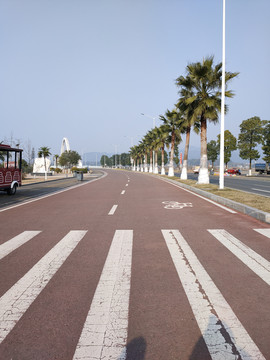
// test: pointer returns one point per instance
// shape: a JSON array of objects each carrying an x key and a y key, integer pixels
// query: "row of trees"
[
  {"x": 253, "y": 132},
  {"x": 124, "y": 159},
  {"x": 199, "y": 102}
]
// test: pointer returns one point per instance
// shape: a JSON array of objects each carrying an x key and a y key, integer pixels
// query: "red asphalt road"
[{"x": 161, "y": 323}]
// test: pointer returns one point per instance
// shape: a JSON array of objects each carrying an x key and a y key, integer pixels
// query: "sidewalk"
[{"x": 32, "y": 179}]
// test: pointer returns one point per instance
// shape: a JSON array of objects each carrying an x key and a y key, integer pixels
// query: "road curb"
[{"x": 247, "y": 210}]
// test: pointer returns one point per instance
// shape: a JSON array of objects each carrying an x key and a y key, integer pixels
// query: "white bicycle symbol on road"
[{"x": 175, "y": 205}]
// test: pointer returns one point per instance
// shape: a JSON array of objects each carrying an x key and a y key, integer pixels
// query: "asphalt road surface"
[
  {"x": 257, "y": 185},
  {"x": 132, "y": 267},
  {"x": 30, "y": 192}
]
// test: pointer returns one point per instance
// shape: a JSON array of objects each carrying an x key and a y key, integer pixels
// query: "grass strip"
[{"x": 256, "y": 201}]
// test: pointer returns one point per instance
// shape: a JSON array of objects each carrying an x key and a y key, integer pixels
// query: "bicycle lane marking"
[{"x": 200, "y": 196}]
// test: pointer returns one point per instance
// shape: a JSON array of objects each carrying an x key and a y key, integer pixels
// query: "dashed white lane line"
[
  {"x": 123, "y": 192},
  {"x": 113, "y": 209},
  {"x": 16, "y": 242},
  {"x": 21, "y": 295},
  {"x": 126, "y": 184},
  {"x": 104, "y": 333},
  {"x": 250, "y": 258},
  {"x": 224, "y": 335},
  {"x": 265, "y": 232}
]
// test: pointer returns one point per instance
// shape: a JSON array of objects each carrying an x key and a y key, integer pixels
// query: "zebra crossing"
[{"x": 105, "y": 331}]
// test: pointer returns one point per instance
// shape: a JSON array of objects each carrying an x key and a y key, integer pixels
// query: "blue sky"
[{"x": 87, "y": 69}]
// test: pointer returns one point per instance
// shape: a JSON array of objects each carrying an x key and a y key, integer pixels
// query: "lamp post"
[
  {"x": 155, "y": 167},
  {"x": 221, "y": 164},
  {"x": 115, "y": 156}
]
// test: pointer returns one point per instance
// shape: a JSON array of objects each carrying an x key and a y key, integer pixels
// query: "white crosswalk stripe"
[
  {"x": 265, "y": 232},
  {"x": 16, "y": 242},
  {"x": 223, "y": 333},
  {"x": 105, "y": 330},
  {"x": 104, "y": 333},
  {"x": 20, "y": 296},
  {"x": 250, "y": 258}
]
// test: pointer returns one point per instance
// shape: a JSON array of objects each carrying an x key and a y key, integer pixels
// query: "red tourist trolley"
[{"x": 10, "y": 168}]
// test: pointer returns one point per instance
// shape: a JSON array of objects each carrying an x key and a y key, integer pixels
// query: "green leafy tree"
[
  {"x": 230, "y": 144},
  {"x": 203, "y": 84},
  {"x": 266, "y": 142},
  {"x": 69, "y": 158},
  {"x": 212, "y": 151},
  {"x": 124, "y": 159},
  {"x": 105, "y": 161},
  {"x": 251, "y": 134},
  {"x": 44, "y": 152}
]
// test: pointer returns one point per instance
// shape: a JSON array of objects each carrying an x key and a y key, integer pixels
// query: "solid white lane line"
[
  {"x": 250, "y": 258},
  {"x": 104, "y": 333},
  {"x": 265, "y": 232},
  {"x": 16, "y": 242},
  {"x": 202, "y": 197},
  {"x": 260, "y": 190},
  {"x": 21, "y": 295},
  {"x": 113, "y": 209},
  {"x": 122, "y": 193},
  {"x": 223, "y": 333}
]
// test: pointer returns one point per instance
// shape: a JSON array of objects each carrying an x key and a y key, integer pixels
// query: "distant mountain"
[{"x": 93, "y": 158}]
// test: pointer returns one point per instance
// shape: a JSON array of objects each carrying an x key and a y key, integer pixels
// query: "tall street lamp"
[{"x": 221, "y": 164}]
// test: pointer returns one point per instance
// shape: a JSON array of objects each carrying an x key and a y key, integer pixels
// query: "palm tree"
[
  {"x": 161, "y": 138},
  {"x": 145, "y": 148},
  {"x": 149, "y": 138},
  {"x": 44, "y": 152},
  {"x": 188, "y": 122},
  {"x": 203, "y": 80},
  {"x": 172, "y": 120},
  {"x": 56, "y": 158},
  {"x": 134, "y": 153}
]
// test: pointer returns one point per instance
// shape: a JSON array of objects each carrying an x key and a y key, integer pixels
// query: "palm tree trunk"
[
  {"x": 145, "y": 163},
  {"x": 162, "y": 161},
  {"x": 151, "y": 162},
  {"x": 45, "y": 174},
  {"x": 171, "y": 169},
  {"x": 185, "y": 162},
  {"x": 203, "y": 173},
  {"x": 156, "y": 164}
]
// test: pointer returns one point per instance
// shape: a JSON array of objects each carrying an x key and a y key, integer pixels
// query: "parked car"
[
  {"x": 262, "y": 168},
  {"x": 233, "y": 171},
  {"x": 196, "y": 170}
]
